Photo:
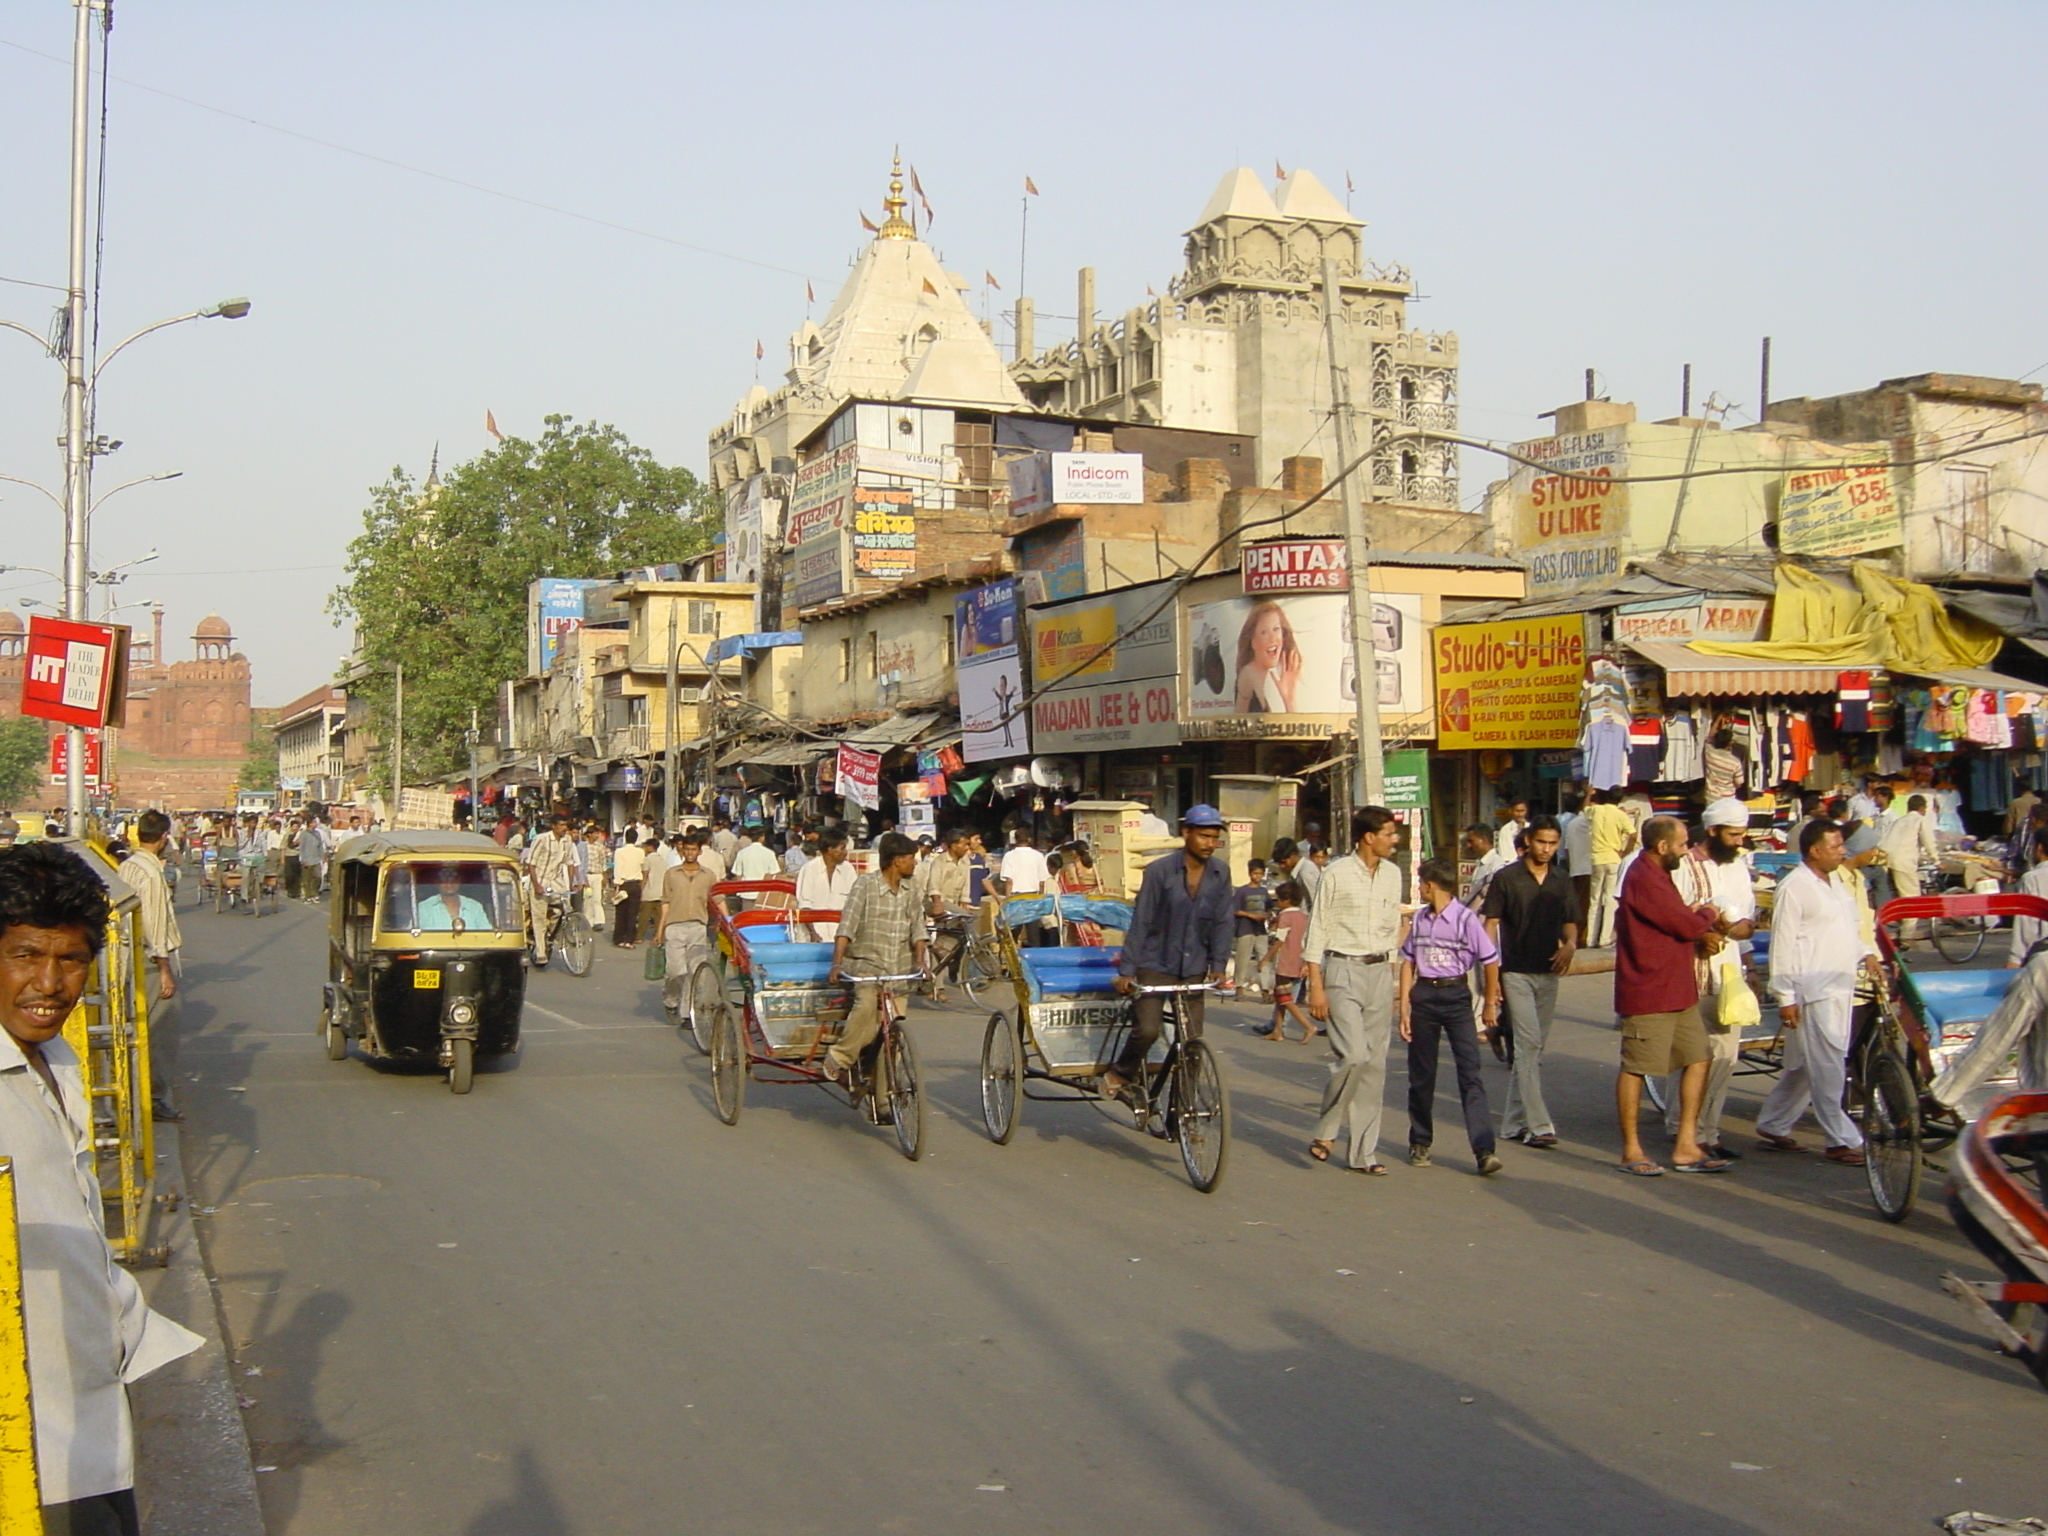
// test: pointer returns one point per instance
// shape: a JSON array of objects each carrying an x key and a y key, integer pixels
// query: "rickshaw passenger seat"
[
  {"x": 790, "y": 965},
  {"x": 1949, "y": 998},
  {"x": 763, "y": 933},
  {"x": 1070, "y": 970}
]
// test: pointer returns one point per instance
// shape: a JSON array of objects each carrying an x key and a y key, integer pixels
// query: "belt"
[
  {"x": 1440, "y": 981},
  {"x": 1379, "y": 959}
]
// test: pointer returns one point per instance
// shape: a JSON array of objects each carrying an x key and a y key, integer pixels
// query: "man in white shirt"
[
  {"x": 1479, "y": 848},
  {"x": 89, "y": 1331},
  {"x": 1511, "y": 830},
  {"x": 723, "y": 842},
  {"x": 1346, "y": 958},
  {"x": 1023, "y": 869},
  {"x": 824, "y": 884},
  {"x": 754, "y": 860},
  {"x": 1907, "y": 841},
  {"x": 1576, "y": 853},
  {"x": 1816, "y": 947},
  {"x": 143, "y": 872},
  {"x": 1715, "y": 873}
]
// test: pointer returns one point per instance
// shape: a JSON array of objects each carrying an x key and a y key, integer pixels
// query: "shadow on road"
[
  {"x": 528, "y": 1510},
  {"x": 1500, "y": 1469},
  {"x": 286, "y": 1431}
]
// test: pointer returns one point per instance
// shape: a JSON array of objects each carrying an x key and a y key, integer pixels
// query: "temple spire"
[{"x": 895, "y": 226}]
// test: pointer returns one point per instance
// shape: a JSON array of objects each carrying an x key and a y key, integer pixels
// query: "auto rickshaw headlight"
[{"x": 462, "y": 1013}]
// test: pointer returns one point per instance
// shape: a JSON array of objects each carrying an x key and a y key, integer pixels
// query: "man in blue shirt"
[
  {"x": 448, "y": 910},
  {"x": 1181, "y": 929}
]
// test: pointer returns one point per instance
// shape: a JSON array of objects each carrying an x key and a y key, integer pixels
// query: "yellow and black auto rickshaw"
[{"x": 426, "y": 960}]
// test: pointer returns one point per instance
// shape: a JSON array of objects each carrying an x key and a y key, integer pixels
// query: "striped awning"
[{"x": 1690, "y": 675}]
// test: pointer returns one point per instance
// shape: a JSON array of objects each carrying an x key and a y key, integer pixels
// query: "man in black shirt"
[{"x": 1532, "y": 912}]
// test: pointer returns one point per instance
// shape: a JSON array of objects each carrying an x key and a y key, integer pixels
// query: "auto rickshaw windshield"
[{"x": 451, "y": 898}]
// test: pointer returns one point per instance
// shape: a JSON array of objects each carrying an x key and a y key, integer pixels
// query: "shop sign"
[
  {"x": 1571, "y": 509},
  {"x": 1709, "y": 618},
  {"x": 884, "y": 533},
  {"x": 819, "y": 493},
  {"x": 60, "y": 757},
  {"x": 908, "y": 466},
  {"x": 1284, "y": 666},
  {"x": 820, "y": 569},
  {"x": 74, "y": 673},
  {"x": 858, "y": 776},
  {"x": 750, "y": 518},
  {"x": 1405, "y": 781},
  {"x": 1042, "y": 481},
  {"x": 1845, "y": 509},
  {"x": 1513, "y": 684},
  {"x": 1105, "y": 669},
  {"x": 1296, "y": 565},
  {"x": 557, "y": 607},
  {"x": 990, "y": 673}
]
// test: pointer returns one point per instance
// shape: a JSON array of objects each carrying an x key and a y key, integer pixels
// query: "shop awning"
[
  {"x": 780, "y": 754},
  {"x": 890, "y": 733},
  {"x": 1979, "y": 677},
  {"x": 1690, "y": 675}
]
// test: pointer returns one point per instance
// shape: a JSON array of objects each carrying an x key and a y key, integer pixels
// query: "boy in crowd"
[
  {"x": 1283, "y": 955},
  {"x": 1247, "y": 969},
  {"x": 1445, "y": 940}
]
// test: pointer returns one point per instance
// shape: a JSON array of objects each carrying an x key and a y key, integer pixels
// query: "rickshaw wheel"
[
  {"x": 1890, "y": 1123},
  {"x": 728, "y": 1065},
  {"x": 1959, "y": 938},
  {"x": 461, "y": 1065},
  {"x": 707, "y": 999},
  {"x": 575, "y": 943},
  {"x": 1002, "y": 1063},
  {"x": 334, "y": 1035},
  {"x": 1200, "y": 1111},
  {"x": 906, "y": 1095}
]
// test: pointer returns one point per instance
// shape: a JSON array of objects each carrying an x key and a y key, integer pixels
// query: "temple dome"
[
  {"x": 213, "y": 627},
  {"x": 10, "y": 622}
]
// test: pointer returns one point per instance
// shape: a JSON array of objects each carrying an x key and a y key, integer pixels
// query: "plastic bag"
[{"x": 656, "y": 968}]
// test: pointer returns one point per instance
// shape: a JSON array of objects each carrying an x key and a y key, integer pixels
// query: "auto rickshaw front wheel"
[
  {"x": 335, "y": 1037},
  {"x": 461, "y": 1065}
]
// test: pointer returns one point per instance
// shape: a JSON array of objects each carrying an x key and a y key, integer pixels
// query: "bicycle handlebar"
[
  {"x": 1171, "y": 986},
  {"x": 862, "y": 980}
]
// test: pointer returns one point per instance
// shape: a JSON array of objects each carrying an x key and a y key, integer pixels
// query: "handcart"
[
  {"x": 1068, "y": 1024},
  {"x": 780, "y": 1011}
]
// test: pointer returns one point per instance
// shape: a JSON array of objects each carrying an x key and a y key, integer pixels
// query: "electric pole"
[
  {"x": 77, "y": 454},
  {"x": 1368, "y": 773}
]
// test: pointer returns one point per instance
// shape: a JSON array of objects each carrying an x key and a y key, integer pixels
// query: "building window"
[
  {"x": 874, "y": 654},
  {"x": 846, "y": 660},
  {"x": 703, "y": 616}
]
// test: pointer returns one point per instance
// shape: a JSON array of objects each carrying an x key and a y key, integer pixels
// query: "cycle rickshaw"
[
  {"x": 1995, "y": 1208},
  {"x": 1068, "y": 1024},
  {"x": 778, "y": 1013},
  {"x": 705, "y": 992}
]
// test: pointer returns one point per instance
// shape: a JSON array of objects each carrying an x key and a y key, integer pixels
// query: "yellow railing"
[{"x": 20, "y": 1494}]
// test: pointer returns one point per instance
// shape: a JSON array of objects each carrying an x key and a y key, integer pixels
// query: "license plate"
[{"x": 426, "y": 980}]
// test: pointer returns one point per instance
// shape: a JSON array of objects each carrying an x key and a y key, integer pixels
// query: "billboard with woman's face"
[{"x": 1282, "y": 656}]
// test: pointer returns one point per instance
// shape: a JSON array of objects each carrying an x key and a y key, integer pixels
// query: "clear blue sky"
[{"x": 1628, "y": 187}]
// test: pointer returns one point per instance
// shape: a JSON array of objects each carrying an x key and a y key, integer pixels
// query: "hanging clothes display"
[{"x": 1603, "y": 736}]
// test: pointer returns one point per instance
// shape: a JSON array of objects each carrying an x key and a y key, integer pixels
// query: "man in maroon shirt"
[{"x": 1658, "y": 997}]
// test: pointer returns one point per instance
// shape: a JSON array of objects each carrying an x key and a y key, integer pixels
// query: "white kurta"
[
  {"x": 1817, "y": 946},
  {"x": 819, "y": 890},
  {"x": 89, "y": 1331}
]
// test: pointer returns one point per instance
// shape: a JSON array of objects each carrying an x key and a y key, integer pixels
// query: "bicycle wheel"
[
  {"x": 906, "y": 1094},
  {"x": 1653, "y": 1090},
  {"x": 980, "y": 965},
  {"x": 575, "y": 943},
  {"x": 707, "y": 997},
  {"x": 1890, "y": 1122},
  {"x": 1959, "y": 938},
  {"x": 728, "y": 1065},
  {"x": 1002, "y": 1076},
  {"x": 1200, "y": 1113}
]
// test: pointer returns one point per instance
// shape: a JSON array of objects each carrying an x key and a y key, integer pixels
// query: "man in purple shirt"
[{"x": 1445, "y": 940}]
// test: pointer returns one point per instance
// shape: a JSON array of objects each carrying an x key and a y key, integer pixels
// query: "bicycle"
[
  {"x": 1883, "y": 1097},
  {"x": 972, "y": 962},
  {"x": 564, "y": 933}
]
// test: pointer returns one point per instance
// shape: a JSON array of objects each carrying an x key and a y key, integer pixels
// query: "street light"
[{"x": 226, "y": 309}]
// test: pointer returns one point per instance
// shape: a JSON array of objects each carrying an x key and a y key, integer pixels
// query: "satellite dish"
[{"x": 1055, "y": 773}]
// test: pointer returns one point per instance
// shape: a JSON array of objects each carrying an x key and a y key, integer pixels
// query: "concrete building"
[
  {"x": 1236, "y": 343},
  {"x": 309, "y": 747}
]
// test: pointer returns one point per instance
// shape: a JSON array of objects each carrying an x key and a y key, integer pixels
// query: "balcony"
[{"x": 627, "y": 741}]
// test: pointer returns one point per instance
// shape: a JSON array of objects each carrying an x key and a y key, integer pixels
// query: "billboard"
[
  {"x": 990, "y": 673},
  {"x": 60, "y": 756},
  {"x": 1283, "y": 666},
  {"x": 752, "y": 525},
  {"x": 1105, "y": 669},
  {"x": 819, "y": 571},
  {"x": 75, "y": 674},
  {"x": 817, "y": 501},
  {"x": 1296, "y": 565},
  {"x": 1042, "y": 481},
  {"x": 1570, "y": 514},
  {"x": 1846, "y": 509},
  {"x": 1513, "y": 684},
  {"x": 1702, "y": 618},
  {"x": 556, "y": 607},
  {"x": 858, "y": 776},
  {"x": 884, "y": 533}
]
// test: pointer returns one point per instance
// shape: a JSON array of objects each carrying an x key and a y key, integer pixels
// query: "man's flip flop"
[
  {"x": 1704, "y": 1165},
  {"x": 1766, "y": 1142},
  {"x": 1642, "y": 1170},
  {"x": 1319, "y": 1150}
]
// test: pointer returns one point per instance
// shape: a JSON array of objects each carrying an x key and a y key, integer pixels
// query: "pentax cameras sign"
[
  {"x": 75, "y": 673},
  {"x": 1296, "y": 565}
]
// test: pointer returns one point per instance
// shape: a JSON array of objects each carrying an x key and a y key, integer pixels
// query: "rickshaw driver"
[
  {"x": 881, "y": 933},
  {"x": 448, "y": 910},
  {"x": 1183, "y": 926}
]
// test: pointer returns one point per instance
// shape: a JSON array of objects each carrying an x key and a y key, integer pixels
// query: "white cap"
[{"x": 1726, "y": 813}]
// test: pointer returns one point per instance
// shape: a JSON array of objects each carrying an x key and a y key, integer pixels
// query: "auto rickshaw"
[{"x": 427, "y": 957}]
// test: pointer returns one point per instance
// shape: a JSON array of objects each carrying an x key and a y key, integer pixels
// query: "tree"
[
  {"x": 24, "y": 758},
  {"x": 437, "y": 580},
  {"x": 259, "y": 768}
]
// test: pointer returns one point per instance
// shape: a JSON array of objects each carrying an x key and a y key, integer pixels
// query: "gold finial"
[{"x": 895, "y": 226}]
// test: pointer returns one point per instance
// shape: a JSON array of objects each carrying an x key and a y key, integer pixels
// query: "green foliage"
[
  {"x": 437, "y": 580},
  {"x": 259, "y": 768},
  {"x": 24, "y": 759}
]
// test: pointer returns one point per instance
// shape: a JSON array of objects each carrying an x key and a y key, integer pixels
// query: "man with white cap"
[{"x": 1716, "y": 873}]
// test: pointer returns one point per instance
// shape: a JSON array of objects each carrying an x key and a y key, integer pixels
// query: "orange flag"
[
  {"x": 1348, "y": 187},
  {"x": 759, "y": 351},
  {"x": 491, "y": 426},
  {"x": 928, "y": 288},
  {"x": 989, "y": 278},
  {"x": 809, "y": 297},
  {"x": 869, "y": 225},
  {"x": 1031, "y": 186},
  {"x": 1277, "y": 172}
]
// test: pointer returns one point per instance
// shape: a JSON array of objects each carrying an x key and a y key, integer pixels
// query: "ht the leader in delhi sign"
[{"x": 75, "y": 673}]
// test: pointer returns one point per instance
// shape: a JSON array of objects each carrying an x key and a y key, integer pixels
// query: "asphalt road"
[{"x": 573, "y": 1301}]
